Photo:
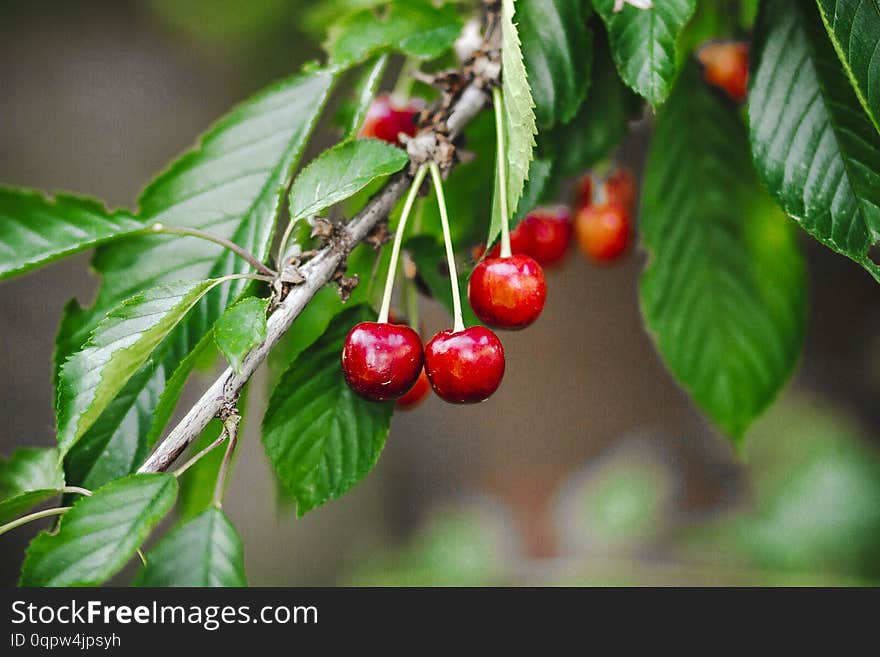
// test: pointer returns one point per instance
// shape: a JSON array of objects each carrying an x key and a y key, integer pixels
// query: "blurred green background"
[{"x": 588, "y": 467}]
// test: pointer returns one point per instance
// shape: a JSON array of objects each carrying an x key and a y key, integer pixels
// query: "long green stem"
[
  {"x": 501, "y": 157},
  {"x": 398, "y": 240},
  {"x": 458, "y": 322},
  {"x": 198, "y": 457},
  {"x": 18, "y": 522},
  {"x": 246, "y": 255}
]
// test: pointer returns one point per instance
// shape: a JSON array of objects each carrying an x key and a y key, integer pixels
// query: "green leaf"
[
  {"x": 600, "y": 124},
  {"x": 28, "y": 477},
  {"x": 120, "y": 344},
  {"x": 340, "y": 172},
  {"x": 241, "y": 328},
  {"x": 414, "y": 28},
  {"x": 100, "y": 533},
  {"x": 644, "y": 44},
  {"x": 724, "y": 292},
  {"x": 814, "y": 148},
  {"x": 36, "y": 230},
  {"x": 519, "y": 114},
  {"x": 854, "y": 28},
  {"x": 365, "y": 88},
  {"x": 231, "y": 184},
  {"x": 204, "y": 551},
  {"x": 320, "y": 436},
  {"x": 558, "y": 52}
]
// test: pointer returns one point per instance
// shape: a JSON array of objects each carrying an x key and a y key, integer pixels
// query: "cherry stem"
[
  {"x": 411, "y": 303},
  {"x": 458, "y": 322},
  {"x": 246, "y": 255},
  {"x": 385, "y": 308},
  {"x": 34, "y": 516},
  {"x": 198, "y": 457},
  {"x": 501, "y": 156}
]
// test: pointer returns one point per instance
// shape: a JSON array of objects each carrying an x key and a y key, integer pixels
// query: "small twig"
[
  {"x": 18, "y": 522},
  {"x": 198, "y": 457},
  {"x": 230, "y": 425},
  {"x": 246, "y": 255}
]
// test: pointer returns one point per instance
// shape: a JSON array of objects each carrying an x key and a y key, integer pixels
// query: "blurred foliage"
[{"x": 810, "y": 516}]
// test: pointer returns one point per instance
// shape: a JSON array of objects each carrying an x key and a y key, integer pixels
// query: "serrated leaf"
[
  {"x": 364, "y": 91},
  {"x": 241, "y": 328},
  {"x": 100, "y": 533},
  {"x": 724, "y": 292},
  {"x": 320, "y": 437},
  {"x": 854, "y": 28},
  {"x": 230, "y": 184},
  {"x": 36, "y": 230},
  {"x": 28, "y": 477},
  {"x": 518, "y": 123},
  {"x": 340, "y": 172},
  {"x": 418, "y": 29},
  {"x": 557, "y": 48},
  {"x": 644, "y": 44},
  {"x": 600, "y": 124},
  {"x": 118, "y": 347},
  {"x": 519, "y": 115},
  {"x": 814, "y": 148},
  {"x": 205, "y": 551}
]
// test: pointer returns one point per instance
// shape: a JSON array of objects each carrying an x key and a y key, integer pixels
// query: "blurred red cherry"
[
  {"x": 726, "y": 66},
  {"x": 385, "y": 120}
]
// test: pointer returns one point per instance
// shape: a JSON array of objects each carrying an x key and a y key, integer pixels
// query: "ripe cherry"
[
  {"x": 385, "y": 120},
  {"x": 465, "y": 367},
  {"x": 550, "y": 232},
  {"x": 726, "y": 66},
  {"x": 508, "y": 293},
  {"x": 381, "y": 361},
  {"x": 416, "y": 394},
  {"x": 620, "y": 188},
  {"x": 603, "y": 231}
]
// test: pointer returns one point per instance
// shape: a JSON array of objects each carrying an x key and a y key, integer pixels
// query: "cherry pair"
[{"x": 383, "y": 361}]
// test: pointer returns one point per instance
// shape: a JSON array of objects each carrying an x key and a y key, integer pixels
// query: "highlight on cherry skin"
[
  {"x": 508, "y": 293},
  {"x": 726, "y": 66},
  {"x": 382, "y": 361},
  {"x": 386, "y": 120},
  {"x": 603, "y": 231},
  {"x": 465, "y": 367}
]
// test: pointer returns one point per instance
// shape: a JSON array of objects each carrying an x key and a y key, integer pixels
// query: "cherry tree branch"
[{"x": 222, "y": 396}]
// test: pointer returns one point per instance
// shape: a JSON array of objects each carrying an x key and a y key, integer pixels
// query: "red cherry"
[
  {"x": 620, "y": 188},
  {"x": 583, "y": 192},
  {"x": 386, "y": 121},
  {"x": 416, "y": 394},
  {"x": 603, "y": 231},
  {"x": 465, "y": 367},
  {"x": 507, "y": 293},
  {"x": 726, "y": 66},
  {"x": 550, "y": 230},
  {"x": 381, "y": 361}
]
